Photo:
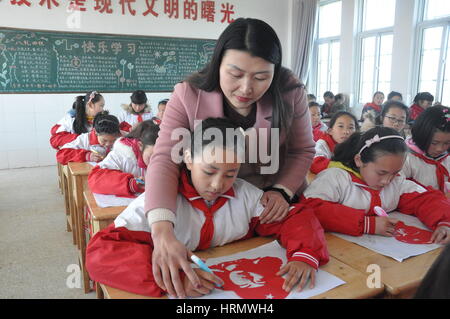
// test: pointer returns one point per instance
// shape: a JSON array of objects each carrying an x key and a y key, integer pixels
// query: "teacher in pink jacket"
[{"x": 245, "y": 82}]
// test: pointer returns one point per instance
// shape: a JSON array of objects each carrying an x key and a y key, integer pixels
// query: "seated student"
[
  {"x": 78, "y": 120},
  {"x": 436, "y": 284},
  {"x": 422, "y": 101},
  {"x": 428, "y": 162},
  {"x": 214, "y": 208},
  {"x": 364, "y": 174},
  {"x": 317, "y": 125},
  {"x": 122, "y": 171},
  {"x": 395, "y": 96},
  {"x": 311, "y": 98},
  {"x": 340, "y": 104},
  {"x": 342, "y": 125},
  {"x": 394, "y": 115},
  {"x": 135, "y": 112},
  {"x": 374, "y": 106},
  {"x": 92, "y": 146},
  {"x": 328, "y": 97},
  {"x": 161, "y": 109}
]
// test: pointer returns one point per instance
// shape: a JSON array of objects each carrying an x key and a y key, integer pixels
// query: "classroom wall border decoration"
[{"x": 33, "y": 61}]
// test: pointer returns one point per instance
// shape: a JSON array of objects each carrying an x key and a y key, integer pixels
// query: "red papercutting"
[
  {"x": 252, "y": 278},
  {"x": 412, "y": 235}
]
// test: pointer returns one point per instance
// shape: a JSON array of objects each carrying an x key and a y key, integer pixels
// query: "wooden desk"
[
  {"x": 355, "y": 287},
  {"x": 78, "y": 173},
  {"x": 401, "y": 279},
  {"x": 67, "y": 191},
  {"x": 98, "y": 218}
]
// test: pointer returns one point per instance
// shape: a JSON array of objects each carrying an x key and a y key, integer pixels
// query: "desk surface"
[
  {"x": 101, "y": 213},
  {"x": 398, "y": 277},
  {"x": 354, "y": 288},
  {"x": 79, "y": 168}
]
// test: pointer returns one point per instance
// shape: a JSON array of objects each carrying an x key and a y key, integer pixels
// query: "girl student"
[
  {"x": 137, "y": 111},
  {"x": 422, "y": 101},
  {"x": 77, "y": 121},
  {"x": 374, "y": 106},
  {"x": 364, "y": 174},
  {"x": 394, "y": 115},
  {"x": 92, "y": 146},
  {"x": 122, "y": 172},
  {"x": 161, "y": 109},
  {"x": 318, "y": 126},
  {"x": 342, "y": 125},
  {"x": 428, "y": 162},
  {"x": 214, "y": 208}
]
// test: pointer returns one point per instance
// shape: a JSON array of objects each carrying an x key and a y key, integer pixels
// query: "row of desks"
[{"x": 348, "y": 261}]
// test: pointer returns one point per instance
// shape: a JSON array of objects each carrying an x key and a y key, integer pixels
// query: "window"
[
  {"x": 434, "y": 45},
  {"x": 375, "y": 48},
  {"x": 325, "y": 75}
]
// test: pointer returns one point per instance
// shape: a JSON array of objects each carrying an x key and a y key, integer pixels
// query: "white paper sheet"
[
  {"x": 389, "y": 246},
  {"x": 324, "y": 280},
  {"x": 111, "y": 200}
]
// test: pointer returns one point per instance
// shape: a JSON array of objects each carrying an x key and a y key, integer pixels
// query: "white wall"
[{"x": 26, "y": 119}]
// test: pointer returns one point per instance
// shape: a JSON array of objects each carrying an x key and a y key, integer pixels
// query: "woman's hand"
[
  {"x": 385, "y": 226},
  {"x": 297, "y": 272},
  {"x": 208, "y": 282},
  {"x": 441, "y": 235},
  {"x": 168, "y": 258},
  {"x": 275, "y": 207}
]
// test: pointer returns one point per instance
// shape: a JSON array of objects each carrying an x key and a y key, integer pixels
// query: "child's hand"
[
  {"x": 441, "y": 235},
  {"x": 297, "y": 271},
  {"x": 385, "y": 226},
  {"x": 94, "y": 157},
  {"x": 207, "y": 284}
]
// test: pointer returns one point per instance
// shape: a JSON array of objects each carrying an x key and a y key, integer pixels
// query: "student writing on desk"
[
  {"x": 213, "y": 208},
  {"x": 365, "y": 174}
]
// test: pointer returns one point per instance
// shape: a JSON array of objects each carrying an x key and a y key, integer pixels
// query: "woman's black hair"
[
  {"x": 146, "y": 131},
  {"x": 346, "y": 151},
  {"x": 339, "y": 114},
  {"x": 80, "y": 123},
  {"x": 105, "y": 123},
  {"x": 389, "y": 104},
  {"x": 423, "y": 96},
  {"x": 430, "y": 121},
  {"x": 260, "y": 40},
  {"x": 393, "y": 94},
  {"x": 436, "y": 284},
  {"x": 225, "y": 127}
]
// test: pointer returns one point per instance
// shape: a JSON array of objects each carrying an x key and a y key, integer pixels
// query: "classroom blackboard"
[{"x": 57, "y": 62}]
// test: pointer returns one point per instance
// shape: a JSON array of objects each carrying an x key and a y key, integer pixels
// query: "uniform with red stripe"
[
  {"x": 63, "y": 132},
  {"x": 120, "y": 255},
  {"x": 116, "y": 174}
]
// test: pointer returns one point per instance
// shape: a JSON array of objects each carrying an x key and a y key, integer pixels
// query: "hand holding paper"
[{"x": 297, "y": 272}]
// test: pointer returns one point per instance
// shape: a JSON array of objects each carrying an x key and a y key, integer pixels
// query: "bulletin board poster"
[{"x": 61, "y": 62}]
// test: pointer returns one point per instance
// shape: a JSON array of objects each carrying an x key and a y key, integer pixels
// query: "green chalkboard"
[{"x": 57, "y": 62}]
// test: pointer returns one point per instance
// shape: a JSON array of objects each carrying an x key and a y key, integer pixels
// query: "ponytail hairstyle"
[
  {"x": 431, "y": 120},
  {"x": 346, "y": 151},
  {"x": 146, "y": 132},
  {"x": 339, "y": 114},
  {"x": 80, "y": 123},
  {"x": 105, "y": 123},
  {"x": 258, "y": 39}
]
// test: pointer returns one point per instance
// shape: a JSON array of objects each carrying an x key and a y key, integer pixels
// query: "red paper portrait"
[{"x": 412, "y": 235}]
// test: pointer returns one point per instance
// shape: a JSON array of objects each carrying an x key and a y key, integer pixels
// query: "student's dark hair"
[
  {"x": 375, "y": 94},
  {"x": 346, "y": 151},
  {"x": 430, "y": 121},
  {"x": 328, "y": 94},
  {"x": 199, "y": 140},
  {"x": 390, "y": 105},
  {"x": 164, "y": 101},
  {"x": 260, "y": 40},
  {"x": 311, "y": 104},
  {"x": 311, "y": 97},
  {"x": 138, "y": 97},
  {"x": 146, "y": 131},
  {"x": 436, "y": 284},
  {"x": 423, "y": 96},
  {"x": 105, "y": 123},
  {"x": 337, "y": 115},
  {"x": 393, "y": 94},
  {"x": 80, "y": 123}
]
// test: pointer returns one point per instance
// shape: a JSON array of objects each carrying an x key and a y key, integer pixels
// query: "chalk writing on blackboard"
[{"x": 76, "y": 62}]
